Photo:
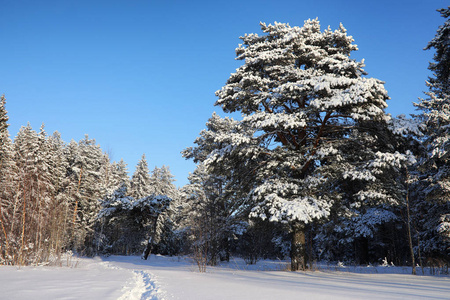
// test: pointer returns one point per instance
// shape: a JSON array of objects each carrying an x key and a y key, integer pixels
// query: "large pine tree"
[{"x": 309, "y": 121}]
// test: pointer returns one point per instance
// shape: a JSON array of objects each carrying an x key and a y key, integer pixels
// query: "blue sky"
[{"x": 140, "y": 76}]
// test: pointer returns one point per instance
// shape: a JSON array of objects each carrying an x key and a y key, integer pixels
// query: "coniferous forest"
[{"x": 313, "y": 170}]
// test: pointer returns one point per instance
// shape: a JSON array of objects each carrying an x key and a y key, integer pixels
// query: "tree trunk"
[
  {"x": 408, "y": 226},
  {"x": 298, "y": 247},
  {"x": 225, "y": 252},
  {"x": 148, "y": 249},
  {"x": 362, "y": 250},
  {"x": 76, "y": 201},
  {"x": 5, "y": 253}
]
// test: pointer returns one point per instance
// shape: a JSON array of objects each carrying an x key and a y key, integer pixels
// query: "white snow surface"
[{"x": 120, "y": 277}]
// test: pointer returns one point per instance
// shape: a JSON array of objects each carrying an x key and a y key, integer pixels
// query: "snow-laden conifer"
[
  {"x": 7, "y": 186},
  {"x": 119, "y": 175},
  {"x": 140, "y": 181},
  {"x": 161, "y": 182},
  {"x": 434, "y": 166},
  {"x": 309, "y": 121},
  {"x": 86, "y": 168},
  {"x": 212, "y": 216},
  {"x": 128, "y": 223}
]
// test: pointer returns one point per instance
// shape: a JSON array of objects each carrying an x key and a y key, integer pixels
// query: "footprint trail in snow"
[{"x": 141, "y": 286}]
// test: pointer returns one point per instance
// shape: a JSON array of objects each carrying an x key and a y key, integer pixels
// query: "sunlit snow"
[{"x": 120, "y": 277}]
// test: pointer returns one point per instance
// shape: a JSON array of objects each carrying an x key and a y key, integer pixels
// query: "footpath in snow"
[{"x": 166, "y": 278}]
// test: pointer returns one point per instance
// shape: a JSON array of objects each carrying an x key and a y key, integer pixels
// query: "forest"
[{"x": 313, "y": 170}]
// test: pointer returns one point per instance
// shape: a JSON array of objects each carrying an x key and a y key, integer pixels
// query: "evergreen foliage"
[
  {"x": 432, "y": 207},
  {"x": 140, "y": 181},
  {"x": 310, "y": 121},
  {"x": 213, "y": 216},
  {"x": 128, "y": 223}
]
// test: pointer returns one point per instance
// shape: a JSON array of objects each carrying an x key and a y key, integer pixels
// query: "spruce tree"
[
  {"x": 120, "y": 175},
  {"x": 46, "y": 191},
  {"x": 6, "y": 186},
  {"x": 27, "y": 198},
  {"x": 61, "y": 201},
  {"x": 5, "y": 141},
  {"x": 87, "y": 163},
  {"x": 161, "y": 182},
  {"x": 140, "y": 181}
]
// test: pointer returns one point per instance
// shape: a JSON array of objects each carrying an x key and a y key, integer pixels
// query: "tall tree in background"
[
  {"x": 308, "y": 105},
  {"x": 50, "y": 199},
  {"x": 6, "y": 185},
  {"x": 35, "y": 230},
  {"x": 140, "y": 181},
  {"x": 433, "y": 204},
  {"x": 120, "y": 177},
  {"x": 33, "y": 194},
  {"x": 87, "y": 165},
  {"x": 5, "y": 141},
  {"x": 61, "y": 203},
  {"x": 161, "y": 183}
]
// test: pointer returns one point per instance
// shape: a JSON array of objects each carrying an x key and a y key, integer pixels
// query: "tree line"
[{"x": 314, "y": 169}]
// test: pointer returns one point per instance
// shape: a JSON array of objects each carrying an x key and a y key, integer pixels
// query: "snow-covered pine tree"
[
  {"x": 6, "y": 185},
  {"x": 5, "y": 141},
  {"x": 73, "y": 175},
  {"x": 120, "y": 176},
  {"x": 46, "y": 192},
  {"x": 87, "y": 168},
  {"x": 27, "y": 207},
  {"x": 433, "y": 205},
  {"x": 120, "y": 230},
  {"x": 161, "y": 183},
  {"x": 367, "y": 217},
  {"x": 150, "y": 212},
  {"x": 61, "y": 202},
  {"x": 217, "y": 193},
  {"x": 35, "y": 216},
  {"x": 131, "y": 223},
  {"x": 305, "y": 103},
  {"x": 209, "y": 217},
  {"x": 140, "y": 181}
]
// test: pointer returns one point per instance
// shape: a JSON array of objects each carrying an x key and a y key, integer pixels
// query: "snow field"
[
  {"x": 165, "y": 278},
  {"x": 179, "y": 279}
]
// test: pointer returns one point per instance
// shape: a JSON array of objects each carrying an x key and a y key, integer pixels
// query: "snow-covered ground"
[{"x": 119, "y": 277}]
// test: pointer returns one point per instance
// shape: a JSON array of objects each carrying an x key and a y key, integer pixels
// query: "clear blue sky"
[{"x": 140, "y": 76}]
